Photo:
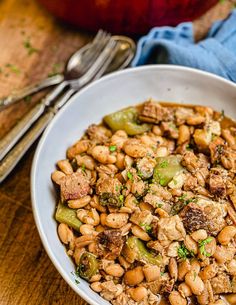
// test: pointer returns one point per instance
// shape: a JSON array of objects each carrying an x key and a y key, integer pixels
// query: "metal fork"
[
  {"x": 96, "y": 71},
  {"x": 92, "y": 61},
  {"x": 71, "y": 71}
]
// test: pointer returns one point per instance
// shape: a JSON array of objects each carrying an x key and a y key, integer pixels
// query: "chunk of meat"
[
  {"x": 233, "y": 284},
  {"x": 145, "y": 167},
  {"x": 228, "y": 159},
  {"x": 190, "y": 183},
  {"x": 182, "y": 114},
  {"x": 216, "y": 182},
  {"x": 142, "y": 218},
  {"x": 109, "y": 244},
  {"x": 162, "y": 285},
  {"x": 190, "y": 161},
  {"x": 99, "y": 134},
  {"x": 215, "y": 214},
  {"x": 216, "y": 147},
  {"x": 153, "y": 112},
  {"x": 109, "y": 191},
  {"x": 110, "y": 290},
  {"x": 193, "y": 218},
  {"x": 74, "y": 186},
  {"x": 221, "y": 284},
  {"x": 169, "y": 130},
  {"x": 169, "y": 229}
]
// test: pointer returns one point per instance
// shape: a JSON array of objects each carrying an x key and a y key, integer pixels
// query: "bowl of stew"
[{"x": 133, "y": 189}]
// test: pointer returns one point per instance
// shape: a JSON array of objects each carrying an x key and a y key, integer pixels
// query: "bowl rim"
[{"x": 37, "y": 219}]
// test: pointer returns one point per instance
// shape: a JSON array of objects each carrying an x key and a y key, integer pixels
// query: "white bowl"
[{"x": 113, "y": 92}]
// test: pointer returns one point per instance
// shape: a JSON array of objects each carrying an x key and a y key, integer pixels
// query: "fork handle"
[
  {"x": 23, "y": 93},
  {"x": 13, "y": 157}
]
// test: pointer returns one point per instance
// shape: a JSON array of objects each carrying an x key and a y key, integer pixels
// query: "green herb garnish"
[
  {"x": 201, "y": 245},
  {"x": 28, "y": 46},
  {"x": 121, "y": 198},
  {"x": 13, "y": 68},
  {"x": 112, "y": 148},
  {"x": 83, "y": 167},
  {"x": 140, "y": 174},
  {"x": 130, "y": 176},
  {"x": 164, "y": 164},
  {"x": 184, "y": 253},
  {"x": 146, "y": 227}
]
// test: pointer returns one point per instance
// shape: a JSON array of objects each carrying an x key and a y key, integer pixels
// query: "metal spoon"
[
  {"x": 72, "y": 71},
  {"x": 122, "y": 59}
]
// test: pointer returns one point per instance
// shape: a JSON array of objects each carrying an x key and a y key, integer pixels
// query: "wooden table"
[{"x": 32, "y": 45}]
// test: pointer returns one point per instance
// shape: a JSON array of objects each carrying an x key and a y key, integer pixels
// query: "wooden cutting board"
[{"x": 32, "y": 45}]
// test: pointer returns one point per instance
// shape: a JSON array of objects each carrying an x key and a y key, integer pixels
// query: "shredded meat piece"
[
  {"x": 215, "y": 213},
  {"x": 193, "y": 218},
  {"x": 190, "y": 183},
  {"x": 142, "y": 218},
  {"x": 190, "y": 161},
  {"x": 109, "y": 244},
  {"x": 153, "y": 112},
  {"x": 221, "y": 284},
  {"x": 169, "y": 229},
  {"x": 74, "y": 186},
  {"x": 182, "y": 113},
  {"x": 109, "y": 190},
  {"x": 217, "y": 147},
  {"x": 162, "y": 285},
  {"x": 216, "y": 182},
  {"x": 99, "y": 134},
  {"x": 110, "y": 290},
  {"x": 169, "y": 130},
  {"x": 145, "y": 167}
]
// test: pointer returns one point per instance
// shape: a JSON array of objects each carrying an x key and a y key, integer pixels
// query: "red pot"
[{"x": 126, "y": 16}]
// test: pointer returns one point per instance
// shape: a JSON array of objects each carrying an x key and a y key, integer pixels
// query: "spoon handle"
[
  {"x": 12, "y": 137},
  {"x": 24, "y": 92}
]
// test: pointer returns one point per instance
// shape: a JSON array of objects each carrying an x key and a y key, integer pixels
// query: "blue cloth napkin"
[{"x": 168, "y": 45}]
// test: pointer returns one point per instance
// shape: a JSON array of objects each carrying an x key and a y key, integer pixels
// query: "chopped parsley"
[
  {"x": 112, "y": 148},
  {"x": 188, "y": 147},
  {"x": 160, "y": 205},
  {"x": 76, "y": 275},
  {"x": 184, "y": 253},
  {"x": 13, "y": 68},
  {"x": 162, "y": 273},
  {"x": 140, "y": 174},
  {"x": 146, "y": 227},
  {"x": 28, "y": 46},
  {"x": 186, "y": 201},
  {"x": 121, "y": 198},
  {"x": 202, "y": 244},
  {"x": 222, "y": 113},
  {"x": 219, "y": 149},
  {"x": 83, "y": 167},
  {"x": 162, "y": 181},
  {"x": 130, "y": 176},
  {"x": 164, "y": 164}
]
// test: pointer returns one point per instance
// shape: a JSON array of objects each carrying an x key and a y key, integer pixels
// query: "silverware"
[
  {"x": 72, "y": 71},
  {"x": 14, "y": 156},
  {"x": 90, "y": 63}
]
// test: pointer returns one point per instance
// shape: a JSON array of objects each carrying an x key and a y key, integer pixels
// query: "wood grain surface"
[{"x": 32, "y": 45}]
